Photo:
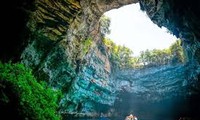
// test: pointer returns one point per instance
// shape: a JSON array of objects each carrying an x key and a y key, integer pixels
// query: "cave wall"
[
  {"x": 158, "y": 92},
  {"x": 181, "y": 18},
  {"x": 63, "y": 44},
  {"x": 66, "y": 50}
]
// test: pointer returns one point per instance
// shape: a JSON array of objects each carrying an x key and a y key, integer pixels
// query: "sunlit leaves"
[
  {"x": 104, "y": 25},
  {"x": 121, "y": 56}
]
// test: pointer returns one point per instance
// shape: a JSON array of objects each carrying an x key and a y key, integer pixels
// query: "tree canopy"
[
  {"x": 104, "y": 25},
  {"x": 122, "y": 57}
]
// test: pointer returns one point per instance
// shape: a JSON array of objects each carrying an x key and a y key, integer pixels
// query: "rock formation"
[
  {"x": 156, "y": 92},
  {"x": 63, "y": 46}
]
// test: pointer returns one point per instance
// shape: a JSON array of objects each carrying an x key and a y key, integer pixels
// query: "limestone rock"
[{"x": 63, "y": 47}]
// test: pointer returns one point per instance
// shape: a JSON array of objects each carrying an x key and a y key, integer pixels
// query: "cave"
[{"x": 61, "y": 42}]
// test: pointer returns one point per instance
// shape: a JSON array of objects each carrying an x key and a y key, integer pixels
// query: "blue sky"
[{"x": 132, "y": 27}]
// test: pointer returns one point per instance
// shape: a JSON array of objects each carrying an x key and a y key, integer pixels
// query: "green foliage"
[
  {"x": 121, "y": 56},
  {"x": 86, "y": 45},
  {"x": 174, "y": 54},
  {"x": 177, "y": 52},
  {"x": 34, "y": 101},
  {"x": 104, "y": 25},
  {"x": 155, "y": 57}
]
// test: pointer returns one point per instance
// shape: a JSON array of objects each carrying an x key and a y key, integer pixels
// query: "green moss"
[
  {"x": 86, "y": 45},
  {"x": 21, "y": 91}
]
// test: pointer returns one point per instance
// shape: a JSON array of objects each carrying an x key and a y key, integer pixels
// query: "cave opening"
[
  {"x": 131, "y": 27},
  {"x": 169, "y": 108},
  {"x": 129, "y": 30},
  {"x": 77, "y": 57}
]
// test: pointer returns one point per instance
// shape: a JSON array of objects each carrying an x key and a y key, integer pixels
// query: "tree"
[
  {"x": 104, "y": 25},
  {"x": 120, "y": 56},
  {"x": 177, "y": 52}
]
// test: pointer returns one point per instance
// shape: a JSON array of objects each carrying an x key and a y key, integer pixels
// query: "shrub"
[{"x": 25, "y": 98}]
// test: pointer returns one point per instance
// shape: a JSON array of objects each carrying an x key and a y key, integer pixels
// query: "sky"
[{"x": 131, "y": 27}]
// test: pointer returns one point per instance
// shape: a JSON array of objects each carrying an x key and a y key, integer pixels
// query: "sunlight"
[{"x": 131, "y": 27}]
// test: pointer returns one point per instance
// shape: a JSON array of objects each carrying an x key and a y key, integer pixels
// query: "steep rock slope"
[
  {"x": 158, "y": 92},
  {"x": 91, "y": 91},
  {"x": 64, "y": 47}
]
